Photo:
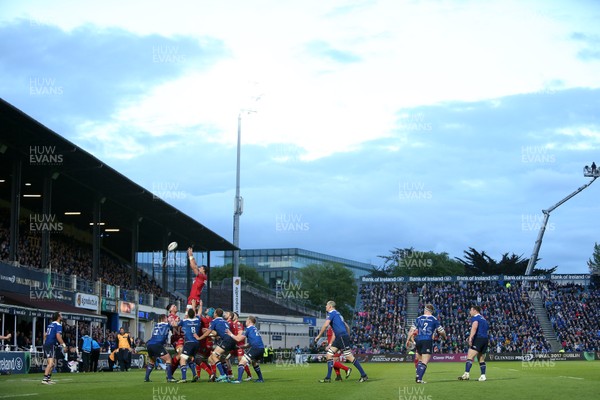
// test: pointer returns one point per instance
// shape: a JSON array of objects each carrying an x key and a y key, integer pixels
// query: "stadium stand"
[
  {"x": 381, "y": 324},
  {"x": 378, "y": 325},
  {"x": 514, "y": 326},
  {"x": 574, "y": 314},
  {"x": 71, "y": 257}
]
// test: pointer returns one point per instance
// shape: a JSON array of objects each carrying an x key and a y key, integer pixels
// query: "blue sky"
[{"x": 438, "y": 125}]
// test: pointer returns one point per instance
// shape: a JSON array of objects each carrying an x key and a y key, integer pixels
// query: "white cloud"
[
  {"x": 410, "y": 54},
  {"x": 371, "y": 93}
]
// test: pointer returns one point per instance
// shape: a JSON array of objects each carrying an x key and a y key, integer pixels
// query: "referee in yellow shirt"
[{"x": 124, "y": 355}]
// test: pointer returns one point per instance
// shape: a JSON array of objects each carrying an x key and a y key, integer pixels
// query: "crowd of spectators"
[
  {"x": 378, "y": 325},
  {"x": 71, "y": 257},
  {"x": 575, "y": 315},
  {"x": 514, "y": 326}
]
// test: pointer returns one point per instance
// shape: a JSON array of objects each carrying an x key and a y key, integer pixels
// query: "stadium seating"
[
  {"x": 71, "y": 257},
  {"x": 380, "y": 324},
  {"x": 575, "y": 315},
  {"x": 377, "y": 326}
]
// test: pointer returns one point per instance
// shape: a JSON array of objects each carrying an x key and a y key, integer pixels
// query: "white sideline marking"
[
  {"x": 8, "y": 396},
  {"x": 570, "y": 377}
]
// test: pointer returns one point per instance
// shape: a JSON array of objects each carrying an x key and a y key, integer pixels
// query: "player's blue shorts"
[
  {"x": 156, "y": 350},
  {"x": 255, "y": 354},
  {"x": 191, "y": 348},
  {"x": 49, "y": 350},
  {"x": 227, "y": 344},
  {"x": 424, "y": 346},
  {"x": 342, "y": 342},
  {"x": 480, "y": 345}
]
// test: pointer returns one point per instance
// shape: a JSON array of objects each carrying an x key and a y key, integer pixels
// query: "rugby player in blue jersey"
[
  {"x": 478, "y": 343},
  {"x": 219, "y": 326},
  {"x": 156, "y": 348},
  {"x": 425, "y": 326},
  {"x": 52, "y": 338},
  {"x": 190, "y": 327},
  {"x": 256, "y": 351},
  {"x": 342, "y": 341}
]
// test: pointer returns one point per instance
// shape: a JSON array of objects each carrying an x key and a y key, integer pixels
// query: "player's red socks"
[
  {"x": 247, "y": 369},
  {"x": 338, "y": 365},
  {"x": 206, "y": 367}
]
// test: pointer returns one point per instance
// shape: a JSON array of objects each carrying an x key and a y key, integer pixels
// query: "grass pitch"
[{"x": 506, "y": 380}]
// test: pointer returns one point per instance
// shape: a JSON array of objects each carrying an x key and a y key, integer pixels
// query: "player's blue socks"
[
  {"x": 421, "y": 368},
  {"x": 359, "y": 367},
  {"x": 240, "y": 372},
  {"x": 220, "y": 368},
  {"x": 482, "y": 366},
  {"x": 169, "y": 371},
  {"x": 184, "y": 372},
  {"x": 149, "y": 369},
  {"x": 468, "y": 365},
  {"x": 329, "y": 368},
  {"x": 258, "y": 372},
  {"x": 192, "y": 366}
]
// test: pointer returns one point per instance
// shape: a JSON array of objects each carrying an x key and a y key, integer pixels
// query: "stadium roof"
[{"x": 79, "y": 178}]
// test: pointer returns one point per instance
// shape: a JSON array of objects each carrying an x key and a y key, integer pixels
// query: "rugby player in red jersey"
[
  {"x": 236, "y": 327},
  {"x": 175, "y": 360},
  {"x": 199, "y": 281},
  {"x": 206, "y": 346},
  {"x": 173, "y": 319}
]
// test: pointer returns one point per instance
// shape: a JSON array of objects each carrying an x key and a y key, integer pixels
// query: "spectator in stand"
[{"x": 574, "y": 314}]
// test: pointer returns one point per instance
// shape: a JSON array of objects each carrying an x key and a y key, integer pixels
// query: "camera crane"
[{"x": 590, "y": 172}]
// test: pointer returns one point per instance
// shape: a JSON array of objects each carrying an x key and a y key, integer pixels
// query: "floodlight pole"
[
  {"x": 587, "y": 172},
  {"x": 238, "y": 207}
]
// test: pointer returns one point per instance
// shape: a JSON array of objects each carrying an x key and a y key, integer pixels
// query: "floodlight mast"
[
  {"x": 238, "y": 207},
  {"x": 587, "y": 172}
]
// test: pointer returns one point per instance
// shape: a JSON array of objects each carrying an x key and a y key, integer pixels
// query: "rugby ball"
[{"x": 172, "y": 246}]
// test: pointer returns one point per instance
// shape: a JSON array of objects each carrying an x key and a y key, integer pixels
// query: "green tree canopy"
[
  {"x": 410, "y": 262},
  {"x": 594, "y": 261},
  {"x": 331, "y": 281},
  {"x": 479, "y": 263}
]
